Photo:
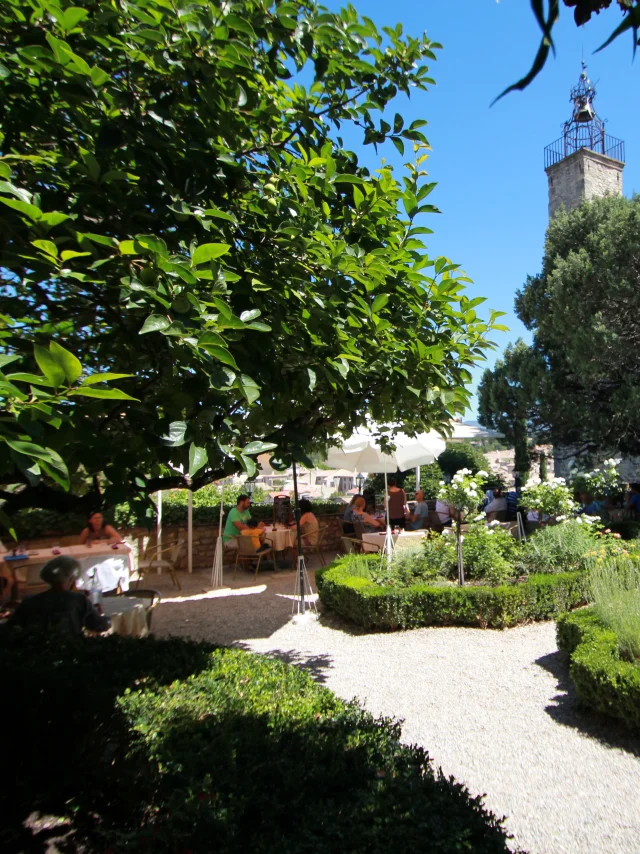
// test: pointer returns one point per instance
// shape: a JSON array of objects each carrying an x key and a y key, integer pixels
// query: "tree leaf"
[
  {"x": 155, "y": 323},
  {"x": 250, "y": 388},
  {"x": 312, "y": 379},
  {"x": 176, "y": 435},
  {"x": 208, "y": 251},
  {"x": 92, "y": 379},
  {"x": 49, "y": 366},
  {"x": 197, "y": 459},
  {"x": 259, "y": 447},
  {"x": 69, "y": 363},
  {"x": 220, "y": 353},
  {"x": 248, "y": 316},
  {"x": 29, "y": 378},
  {"x": 104, "y": 393}
]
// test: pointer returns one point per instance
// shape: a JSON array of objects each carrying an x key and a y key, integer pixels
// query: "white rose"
[
  {"x": 579, "y": 520},
  {"x": 482, "y": 474}
]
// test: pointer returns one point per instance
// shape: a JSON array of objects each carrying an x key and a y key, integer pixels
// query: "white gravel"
[{"x": 494, "y": 709}]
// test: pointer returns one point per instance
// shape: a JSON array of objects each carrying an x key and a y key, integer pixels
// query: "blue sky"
[{"x": 488, "y": 161}]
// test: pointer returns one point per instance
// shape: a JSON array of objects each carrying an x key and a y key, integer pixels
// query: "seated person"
[
  {"x": 420, "y": 516},
  {"x": 512, "y": 499},
  {"x": 633, "y": 501},
  {"x": 593, "y": 506},
  {"x": 60, "y": 608},
  {"x": 360, "y": 515},
  {"x": 444, "y": 512},
  {"x": 497, "y": 505},
  {"x": 96, "y": 530},
  {"x": 347, "y": 519},
  {"x": 255, "y": 531},
  {"x": 237, "y": 520},
  {"x": 308, "y": 524}
]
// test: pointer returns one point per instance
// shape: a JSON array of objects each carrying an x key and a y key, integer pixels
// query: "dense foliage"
[
  {"x": 177, "y": 202},
  {"x": 578, "y": 385},
  {"x": 461, "y": 455},
  {"x": 615, "y": 583},
  {"x": 604, "y": 681},
  {"x": 176, "y": 746}
]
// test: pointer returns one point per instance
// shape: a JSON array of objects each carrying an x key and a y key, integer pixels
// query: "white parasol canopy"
[{"x": 362, "y": 453}]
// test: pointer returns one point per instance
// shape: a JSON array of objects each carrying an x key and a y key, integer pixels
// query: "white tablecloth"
[
  {"x": 370, "y": 541},
  {"x": 282, "y": 538},
  {"x": 128, "y": 616},
  {"x": 112, "y": 566}
]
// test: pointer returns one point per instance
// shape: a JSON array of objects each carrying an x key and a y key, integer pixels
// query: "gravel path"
[{"x": 494, "y": 709}]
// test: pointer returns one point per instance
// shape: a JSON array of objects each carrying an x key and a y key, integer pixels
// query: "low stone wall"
[{"x": 204, "y": 540}]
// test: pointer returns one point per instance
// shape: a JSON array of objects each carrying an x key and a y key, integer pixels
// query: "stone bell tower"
[{"x": 585, "y": 162}]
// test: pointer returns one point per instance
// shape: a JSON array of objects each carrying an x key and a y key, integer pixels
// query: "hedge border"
[
  {"x": 372, "y": 606},
  {"x": 603, "y": 680}
]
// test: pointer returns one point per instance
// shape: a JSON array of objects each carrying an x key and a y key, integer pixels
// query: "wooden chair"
[
  {"x": 351, "y": 545},
  {"x": 318, "y": 547},
  {"x": 151, "y": 597},
  {"x": 152, "y": 560},
  {"x": 247, "y": 553}
]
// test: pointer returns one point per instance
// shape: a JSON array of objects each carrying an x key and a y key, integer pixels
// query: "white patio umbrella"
[{"x": 361, "y": 452}]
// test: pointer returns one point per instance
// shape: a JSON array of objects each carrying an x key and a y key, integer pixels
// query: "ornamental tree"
[
  {"x": 464, "y": 494},
  {"x": 551, "y": 498},
  {"x": 176, "y": 203}
]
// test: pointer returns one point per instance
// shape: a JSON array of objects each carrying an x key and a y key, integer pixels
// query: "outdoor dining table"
[
  {"x": 128, "y": 616},
  {"x": 111, "y": 567},
  {"x": 375, "y": 542},
  {"x": 281, "y": 538}
]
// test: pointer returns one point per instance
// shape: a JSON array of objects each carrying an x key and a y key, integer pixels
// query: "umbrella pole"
[
  {"x": 190, "y": 532},
  {"x": 218, "y": 557},
  {"x": 300, "y": 567},
  {"x": 388, "y": 539}
]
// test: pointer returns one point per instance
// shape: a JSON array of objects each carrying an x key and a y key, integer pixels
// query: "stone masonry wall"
[{"x": 582, "y": 176}]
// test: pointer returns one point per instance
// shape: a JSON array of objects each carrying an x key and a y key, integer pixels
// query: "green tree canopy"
[
  {"x": 176, "y": 204},
  {"x": 578, "y": 385}
]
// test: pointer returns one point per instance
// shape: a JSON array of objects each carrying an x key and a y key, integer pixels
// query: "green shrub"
[
  {"x": 378, "y": 607},
  {"x": 603, "y": 680},
  {"x": 416, "y": 563},
  {"x": 615, "y": 585},
  {"x": 557, "y": 548},
  {"x": 168, "y": 746}
]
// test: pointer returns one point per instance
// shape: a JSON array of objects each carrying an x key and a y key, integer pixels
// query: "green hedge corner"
[
  {"x": 604, "y": 681},
  {"x": 540, "y": 597},
  {"x": 168, "y": 746}
]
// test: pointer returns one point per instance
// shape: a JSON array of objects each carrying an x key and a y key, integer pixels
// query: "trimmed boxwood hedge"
[
  {"x": 172, "y": 746},
  {"x": 604, "y": 681},
  {"x": 373, "y": 606}
]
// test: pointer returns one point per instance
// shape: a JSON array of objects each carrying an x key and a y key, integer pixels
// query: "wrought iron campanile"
[{"x": 585, "y": 162}]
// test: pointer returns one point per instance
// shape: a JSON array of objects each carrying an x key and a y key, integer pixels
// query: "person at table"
[
  {"x": 347, "y": 519},
  {"x": 633, "y": 500},
  {"x": 256, "y": 533},
  {"x": 60, "y": 608},
  {"x": 370, "y": 523},
  {"x": 444, "y": 512},
  {"x": 237, "y": 519},
  {"x": 420, "y": 517},
  {"x": 309, "y": 526},
  {"x": 97, "y": 531},
  {"x": 498, "y": 504},
  {"x": 397, "y": 505}
]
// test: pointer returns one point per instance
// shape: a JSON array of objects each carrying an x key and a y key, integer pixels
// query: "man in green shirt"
[{"x": 237, "y": 518}]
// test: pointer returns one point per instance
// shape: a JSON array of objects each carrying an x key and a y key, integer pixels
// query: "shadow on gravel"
[
  {"x": 569, "y": 712},
  {"x": 315, "y": 665}
]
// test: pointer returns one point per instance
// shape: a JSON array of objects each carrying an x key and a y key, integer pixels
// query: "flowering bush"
[
  {"x": 550, "y": 498},
  {"x": 488, "y": 552},
  {"x": 603, "y": 481},
  {"x": 464, "y": 492}
]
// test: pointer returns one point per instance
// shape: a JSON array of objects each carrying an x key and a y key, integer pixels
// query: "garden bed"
[
  {"x": 173, "y": 746},
  {"x": 378, "y": 607},
  {"x": 603, "y": 679}
]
